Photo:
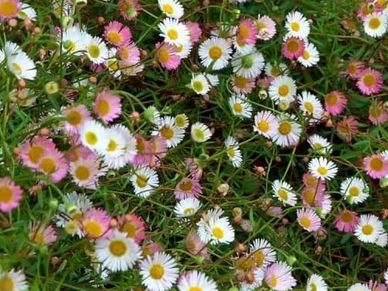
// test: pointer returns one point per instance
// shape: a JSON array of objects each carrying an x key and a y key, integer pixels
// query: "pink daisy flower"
[
  {"x": 346, "y": 221},
  {"x": 266, "y": 27},
  {"x": 77, "y": 152},
  {"x": 134, "y": 226},
  {"x": 376, "y": 166},
  {"x": 195, "y": 246},
  {"x": 313, "y": 196},
  {"x": 308, "y": 219},
  {"x": 143, "y": 155},
  {"x": 376, "y": 286},
  {"x": 194, "y": 31},
  {"x": 158, "y": 147},
  {"x": 377, "y": 113},
  {"x": 242, "y": 85},
  {"x": 167, "y": 56},
  {"x": 129, "y": 55},
  {"x": 9, "y": 9},
  {"x": 32, "y": 151},
  {"x": 278, "y": 277},
  {"x": 129, "y": 9},
  {"x": 367, "y": 8},
  {"x": 85, "y": 172},
  {"x": 347, "y": 128},
  {"x": 311, "y": 182},
  {"x": 293, "y": 47},
  {"x": 53, "y": 164},
  {"x": 353, "y": 69},
  {"x": 246, "y": 32},
  {"x": 117, "y": 34},
  {"x": 188, "y": 187},
  {"x": 151, "y": 248},
  {"x": 75, "y": 118},
  {"x": 107, "y": 106},
  {"x": 10, "y": 194},
  {"x": 41, "y": 234},
  {"x": 335, "y": 102},
  {"x": 95, "y": 223},
  {"x": 195, "y": 169},
  {"x": 370, "y": 81}
]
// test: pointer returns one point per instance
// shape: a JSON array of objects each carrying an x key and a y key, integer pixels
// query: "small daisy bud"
[
  {"x": 203, "y": 157},
  {"x": 321, "y": 233},
  {"x": 81, "y": 3},
  {"x": 22, "y": 84},
  {"x": 205, "y": 3},
  {"x": 101, "y": 20},
  {"x": 93, "y": 80},
  {"x": 385, "y": 105},
  {"x": 278, "y": 159},
  {"x": 285, "y": 221},
  {"x": 268, "y": 143},
  {"x": 329, "y": 123},
  {"x": 223, "y": 189},
  {"x": 237, "y": 214},
  {"x": 240, "y": 248},
  {"x": 291, "y": 260},
  {"x": 234, "y": 289},
  {"x": 27, "y": 24},
  {"x": 305, "y": 160},
  {"x": 246, "y": 225},
  {"x": 194, "y": 67},
  {"x": 41, "y": 54},
  {"x": 51, "y": 87},
  {"x": 67, "y": 21},
  {"x": 44, "y": 131},
  {"x": 113, "y": 223},
  {"x": 43, "y": 250},
  {"x": 13, "y": 22},
  {"x": 176, "y": 97},
  {"x": 263, "y": 94},
  {"x": 318, "y": 250},
  {"x": 149, "y": 114},
  {"x": 284, "y": 105},
  {"x": 16, "y": 151},
  {"x": 260, "y": 170},
  {"x": 199, "y": 260},
  {"x": 135, "y": 116},
  {"x": 36, "y": 31},
  {"x": 384, "y": 182},
  {"x": 35, "y": 188},
  {"x": 54, "y": 261},
  {"x": 53, "y": 204},
  {"x": 144, "y": 53}
]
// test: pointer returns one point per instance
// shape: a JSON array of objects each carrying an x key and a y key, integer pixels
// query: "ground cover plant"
[{"x": 193, "y": 145}]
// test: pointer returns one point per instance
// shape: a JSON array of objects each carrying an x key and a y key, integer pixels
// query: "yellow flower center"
[
  {"x": 259, "y": 258},
  {"x": 156, "y": 271},
  {"x": 317, "y": 146},
  {"x": 263, "y": 125},
  {"x": 6, "y": 194},
  {"x": 48, "y": 165},
  {"x": 367, "y": 229},
  {"x": 240, "y": 82},
  {"x": 168, "y": 9},
  {"x": 163, "y": 55},
  {"x": 305, "y": 222},
  {"x": 140, "y": 145},
  {"x": 189, "y": 211},
  {"x": 369, "y": 80},
  {"x": 376, "y": 164},
  {"x": 129, "y": 228},
  {"x": 354, "y": 191},
  {"x": 295, "y": 26},
  {"x": 237, "y": 107},
  {"x": 91, "y": 138},
  {"x": 199, "y": 134},
  {"x": 172, "y": 34},
  {"x": 218, "y": 232},
  {"x": 186, "y": 185},
  {"x": 374, "y": 23},
  {"x": 306, "y": 55},
  {"x": 38, "y": 239},
  {"x": 112, "y": 145},
  {"x": 8, "y": 8},
  {"x": 141, "y": 181},
  {"x": 117, "y": 248},
  {"x": 322, "y": 171},
  {"x": 82, "y": 173},
  {"x": 309, "y": 196},
  {"x": 293, "y": 45},
  {"x": 283, "y": 195},
  {"x": 16, "y": 68},
  {"x": 167, "y": 132},
  {"x": 114, "y": 37},
  {"x": 181, "y": 120},
  {"x": 93, "y": 229},
  {"x": 215, "y": 52},
  {"x": 103, "y": 107},
  {"x": 309, "y": 107},
  {"x": 346, "y": 217},
  {"x": 195, "y": 288},
  {"x": 375, "y": 111},
  {"x": 331, "y": 99},
  {"x": 6, "y": 283},
  {"x": 35, "y": 153},
  {"x": 71, "y": 227},
  {"x": 283, "y": 90},
  {"x": 74, "y": 117},
  {"x": 94, "y": 51},
  {"x": 231, "y": 152},
  {"x": 285, "y": 128},
  {"x": 272, "y": 281},
  {"x": 313, "y": 287}
]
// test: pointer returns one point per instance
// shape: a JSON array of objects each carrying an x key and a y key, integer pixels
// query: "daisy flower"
[
  {"x": 335, "y": 102},
  {"x": 41, "y": 234},
  {"x": 240, "y": 106},
  {"x": 117, "y": 252},
  {"x": 117, "y": 34},
  {"x": 369, "y": 228},
  {"x": 169, "y": 131},
  {"x": 196, "y": 281},
  {"x": 129, "y": 9},
  {"x": 216, "y": 52},
  {"x": 265, "y": 123},
  {"x": 133, "y": 226},
  {"x": 93, "y": 135},
  {"x": 53, "y": 164},
  {"x": 293, "y": 47},
  {"x": 253, "y": 281},
  {"x": 195, "y": 246},
  {"x": 288, "y": 131},
  {"x": 297, "y": 25},
  {"x": 174, "y": 32},
  {"x": 75, "y": 116},
  {"x": 96, "y": 50},
  {"x": 262, "y": 253},
  {"x": 107, "y": 106},
  {"x": 10, "y": 194},
  {"x": 12, "y": 280},
  {"x": 282, "y": 89},
  {"x": 308, "y": 219},
  {"x": 182, "y": 121},
  {"x": 195, "y": 31},
  {"x": 284, "y": 192},
  {"x": 144, "y": 180},
  {"x": 159, "y": 272},
  {"x": 346, "y": 221},
  {"x": 370, "y": 81},
  {"x": 310, "y": 56},
  {"x": 128, "y": 58},
  {"x": 266, "y": 27},
  {"x": 187, "y": 207},
  {"x": 215, "y": 230},
  {"x": 353, "y": 69},
  {"x": 200, "y": 84},
  {"x": 19, "y": 63},
  {"x": 322, "y": 168},
  {"x": 241, "y": 85},
  {"x": 74, "y": 40},
  {"x": 248, "y": 64},
  {"x": 245, "y": 34},
  {"x": 143, "y": 151},
  {"x": 167, "y": 56},
  {"x": 310, "y": 106},
  {"x": 95, "y": 223},
  {"x": 188, "y": 187},
  {"x": 377, "y": 113},
  {"x": 9, "y": 9},
  {"x": 233, "y": 151},
  {"x": 359, "y": 287},
  {"x": 354, "y": 190},
  {"x": 172, "y": 8},
  {"x": 85, "y": 172},
  {"x": 376, "y": 166},
  {"x": 200, "y": 132},
  {"x": 278, "y": 277},
  {"x": 320, "y": 144},
  {"x": 347, "y": 128},
  {"x": 316, "y": 283},
  {"x": 276, "y": 70},
  {"x": 375, "y": 24}
]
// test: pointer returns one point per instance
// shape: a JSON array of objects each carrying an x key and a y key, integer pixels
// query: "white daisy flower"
[
  {"x": 200, "y": 132},
  {"x": 174, "y": 32},
  {"x": 249, "y": 64},
  {"x": 240, "y": 106},
  {"x": 216, "y": 52},
  {"x": 18, "y": 62},
  {"x": 262, "y": 253},
  {"x": 73, "y": 40},
  {"x": 93, "y": 135},
  {"x": 310, "y": 106},
  {"x": 184, "y": 49},
  {"x": 167, "y": 129},
  {"x": 159, "y": 272},
  {"x": 200, "y": 84},
  {"x": 288, "y": 131},
  {"x": 187, "y": 207},
  {"x": 196, "y": 281},
  {"x": 172, "y": 8},
  {"x": 310, "y": 56},
  {"x": 258, "y": 276},
  {"x": 13, "y": 281},
  {"x": 276, "y": 70},
  {"x": 215, "y": 230},
  {"x": 359, "y": 287},
  {"x": 96, "y": 50},
  {"x": 376, "y": 24},
  {"x": 282, "y": 89},
  {"x": 322, "y": 168},
  {"x": 316, "y": 283},
  {"x": 117, "y": 252},
  {"x": 233, "y": 151},
  {"x": 144, "y": 180},
  {"x": 265, "y": 123},
  {"x": 320, "y": 144},
  {"x": 355, "y": 190},
  {"x": 284, "y": 192},
  {"x": 181, "y": 121},
  {"x": 85, "y": 172},
  {"x": 297, "y": 25},
  {"x": 369, "y": 228},
  {"x": 27, "y": 12}
]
